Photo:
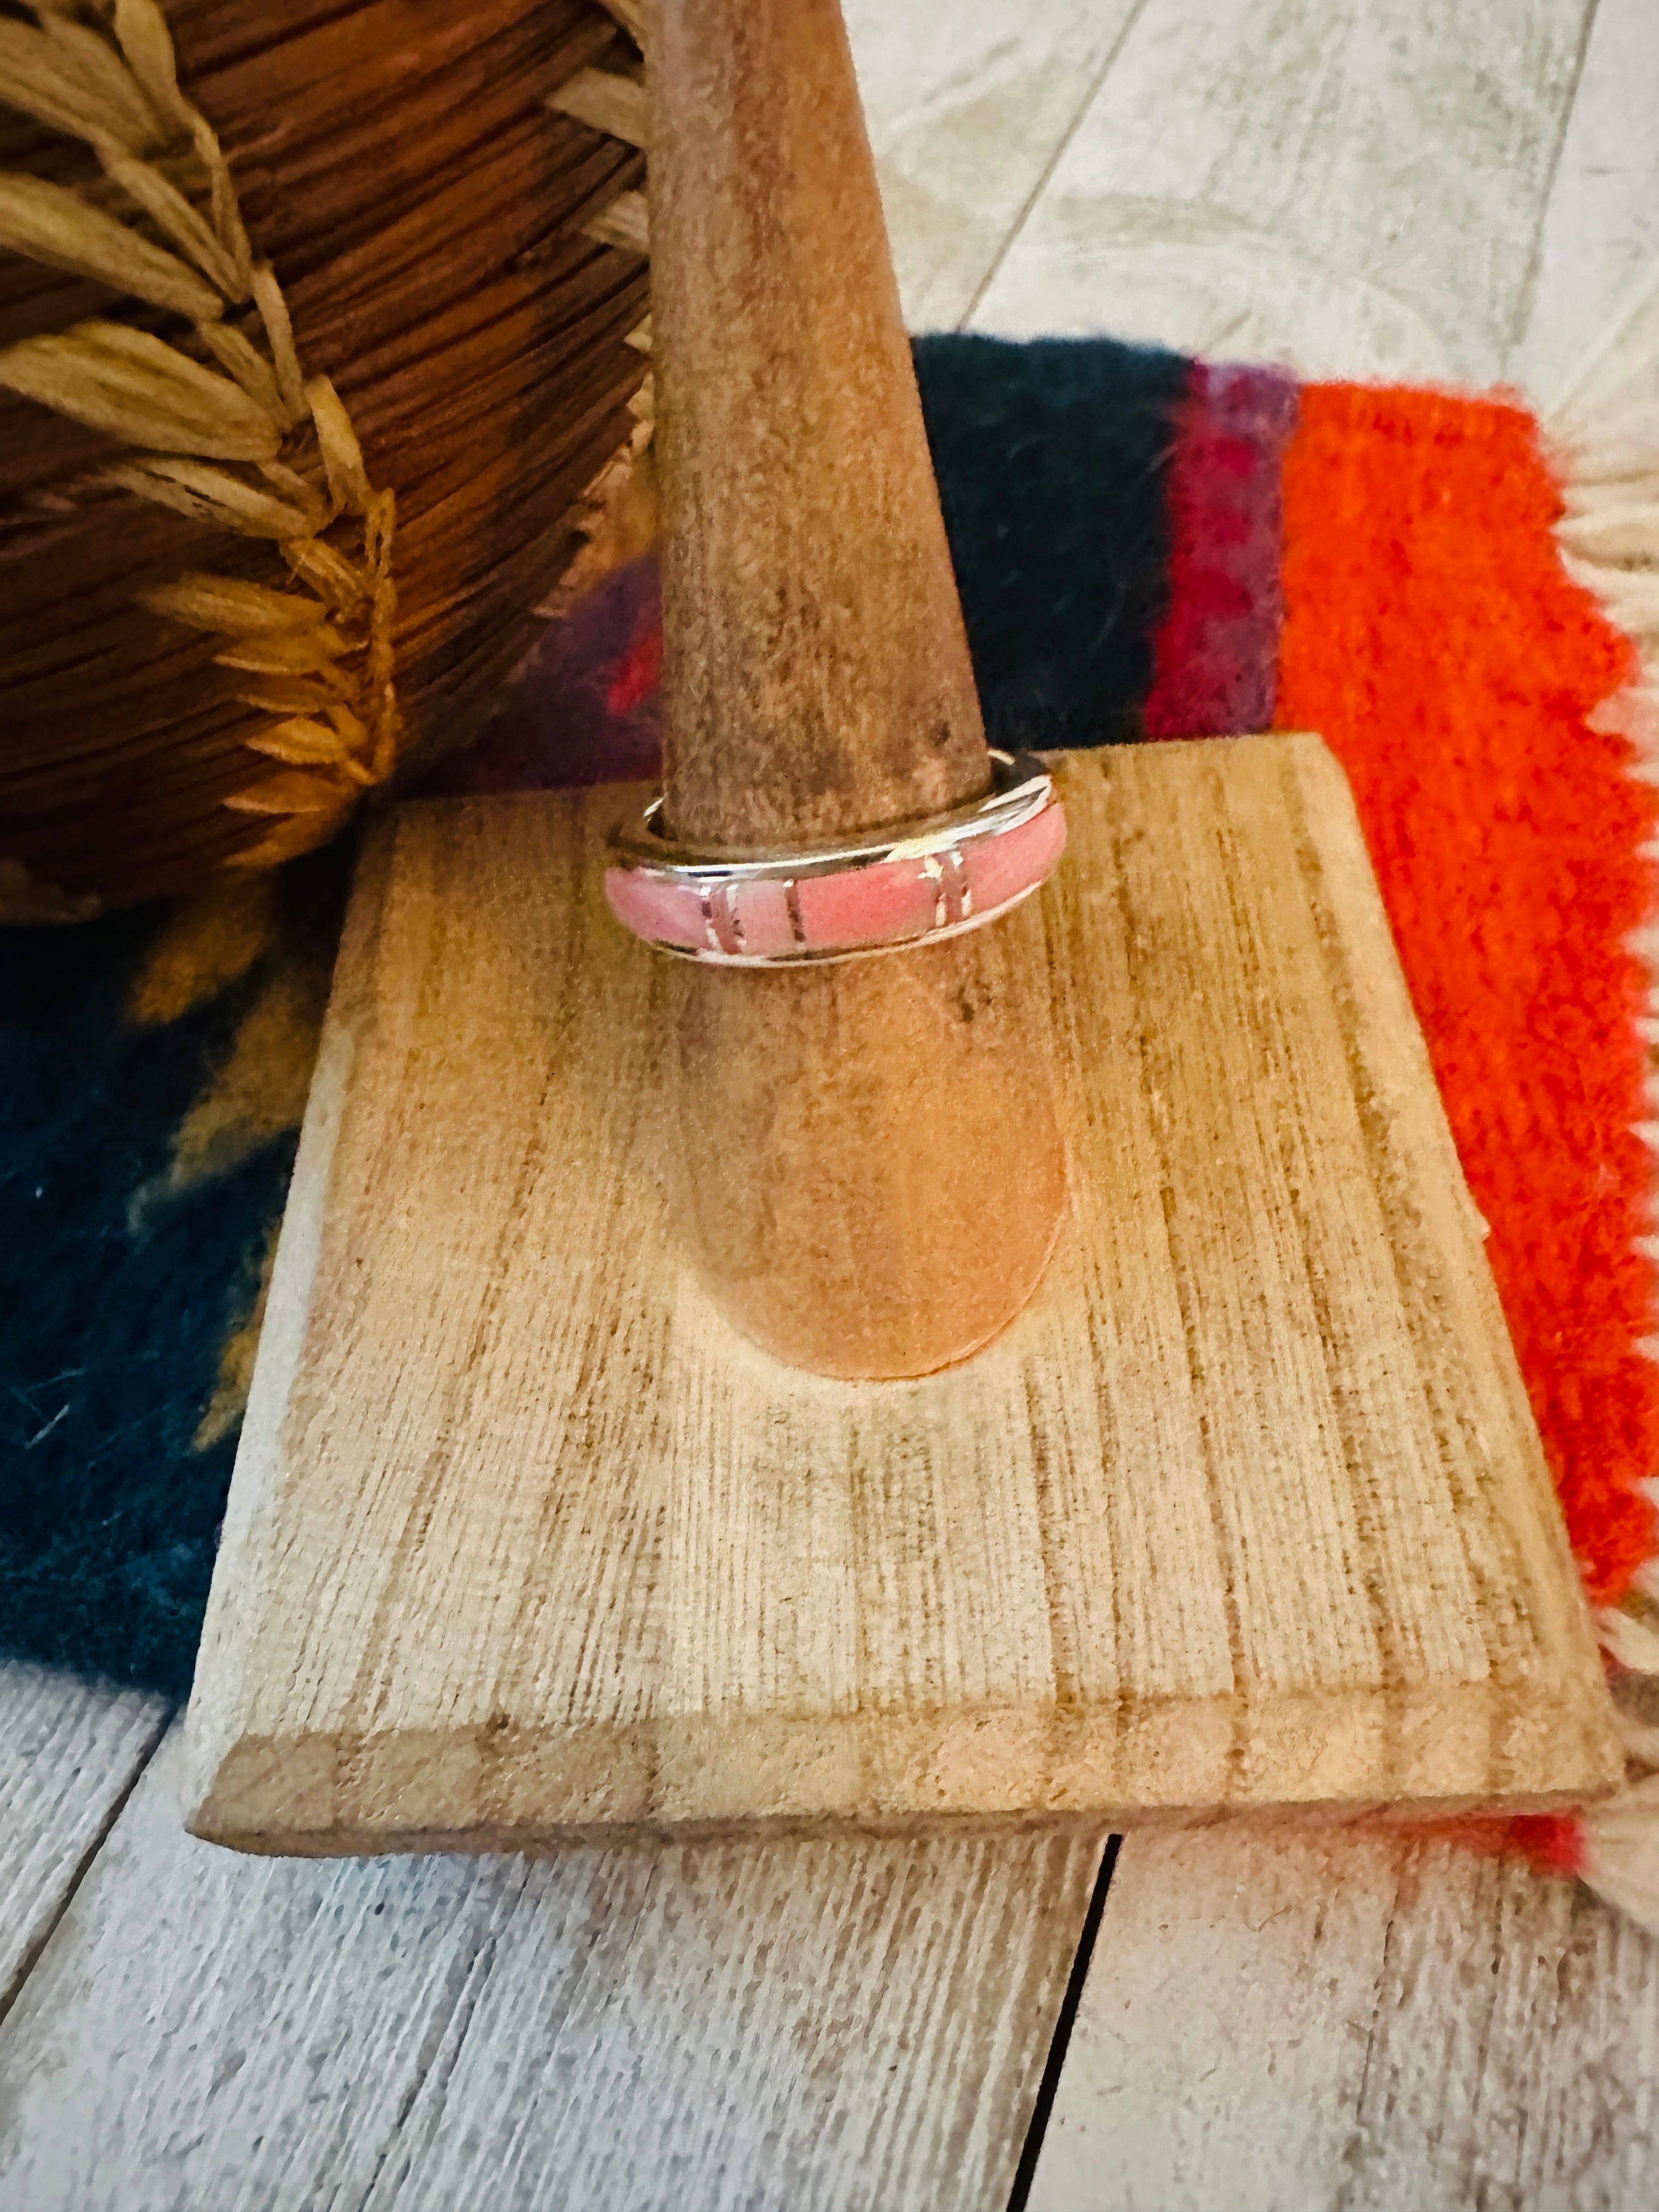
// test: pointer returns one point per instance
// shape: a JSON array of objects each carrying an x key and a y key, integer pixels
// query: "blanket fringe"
[
  {"x": 1602, "y": 436},
  {"x": 1619, "y": 1853}
]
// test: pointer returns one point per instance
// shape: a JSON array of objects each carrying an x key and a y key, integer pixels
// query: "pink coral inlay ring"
[{"x": 880, "y": 891}]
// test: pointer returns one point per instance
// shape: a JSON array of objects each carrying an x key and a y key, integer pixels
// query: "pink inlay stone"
[
  {"x": 1000, "y": 868},
  {"x": 867, "y": 905},
  {"x": 661, "y": 912},
  {"x": 775, "y": 917},
  {"x": 763, "y": 909}
]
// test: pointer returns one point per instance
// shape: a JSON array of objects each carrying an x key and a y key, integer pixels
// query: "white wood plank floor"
[
  {"x": 1402, "y": 187},
  {"x": 1300, "y": 2021},
  {"x": 68, "y": 1754},
  {"x": 804, "y": 2025},
  {"x": 1350, "y": 188}
]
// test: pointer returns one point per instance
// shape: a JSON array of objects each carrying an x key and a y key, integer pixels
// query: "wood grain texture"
[
  {"x": 1247, "y": 1508},
  {"x": 70, "y": 1752},
  {"x": 1599, "y": 233},
  {"x": 1351, "y": 187},
  {"x": 815, "y": 683},
  {"x": 816, "y": 2025},
  {"x": 1354, "y": 2023},
  {"x": 831, "y": 1132},
  {"x": 965, "y": 113},
  {"x": 815, "y": 675}
]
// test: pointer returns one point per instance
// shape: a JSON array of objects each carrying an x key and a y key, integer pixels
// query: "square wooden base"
[{"x": 1248, "y": 1508}]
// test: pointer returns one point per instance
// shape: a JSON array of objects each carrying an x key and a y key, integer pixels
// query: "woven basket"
[{"x": 243, "y": 583}]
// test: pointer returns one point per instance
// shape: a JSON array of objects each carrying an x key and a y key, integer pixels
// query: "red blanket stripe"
[{"x": 1432, "y": 636}]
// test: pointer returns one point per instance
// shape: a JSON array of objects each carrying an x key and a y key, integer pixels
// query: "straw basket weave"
[{"x": 314, "y": 330}]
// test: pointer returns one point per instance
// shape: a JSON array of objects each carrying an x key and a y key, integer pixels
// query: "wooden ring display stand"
[
  {"x": 872, "y": 1176},
  {"x": 1238, "y": 1503}
]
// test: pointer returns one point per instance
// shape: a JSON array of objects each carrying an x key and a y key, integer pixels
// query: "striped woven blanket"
[{"x": 1147, "y": 547}]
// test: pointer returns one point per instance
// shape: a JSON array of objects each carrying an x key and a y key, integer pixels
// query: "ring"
[{"x": 909, "y": 884}]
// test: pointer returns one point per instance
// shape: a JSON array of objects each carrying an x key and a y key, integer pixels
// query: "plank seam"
[
  {"x": 441, "y": 2046},
  {"x": 31, "y": 1956},
  {"x": 1526, "y": 297},
  {"x": 1353, "y": 2147},
  {"x": 1064, "y": 2020},
  {"x": 1053, "y": 160}
]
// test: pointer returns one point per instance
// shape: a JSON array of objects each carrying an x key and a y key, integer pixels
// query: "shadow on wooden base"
[{"x": 1247, "y": 1510}]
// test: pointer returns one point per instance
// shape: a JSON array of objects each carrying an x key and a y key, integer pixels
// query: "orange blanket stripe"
[{"x": 1433, "y": 638}]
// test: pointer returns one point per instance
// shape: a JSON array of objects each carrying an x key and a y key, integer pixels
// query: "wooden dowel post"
[{"x": 870, "y": 1173}]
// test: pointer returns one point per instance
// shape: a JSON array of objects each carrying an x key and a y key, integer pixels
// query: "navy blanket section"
[
  {"x": 1052, "y": 460},
  {"x": 144, "y": 1157},
  {"x": 117, "y": 1299}
]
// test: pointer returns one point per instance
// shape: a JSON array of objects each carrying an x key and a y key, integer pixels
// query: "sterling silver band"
[{"x": 873, "y": 893}]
